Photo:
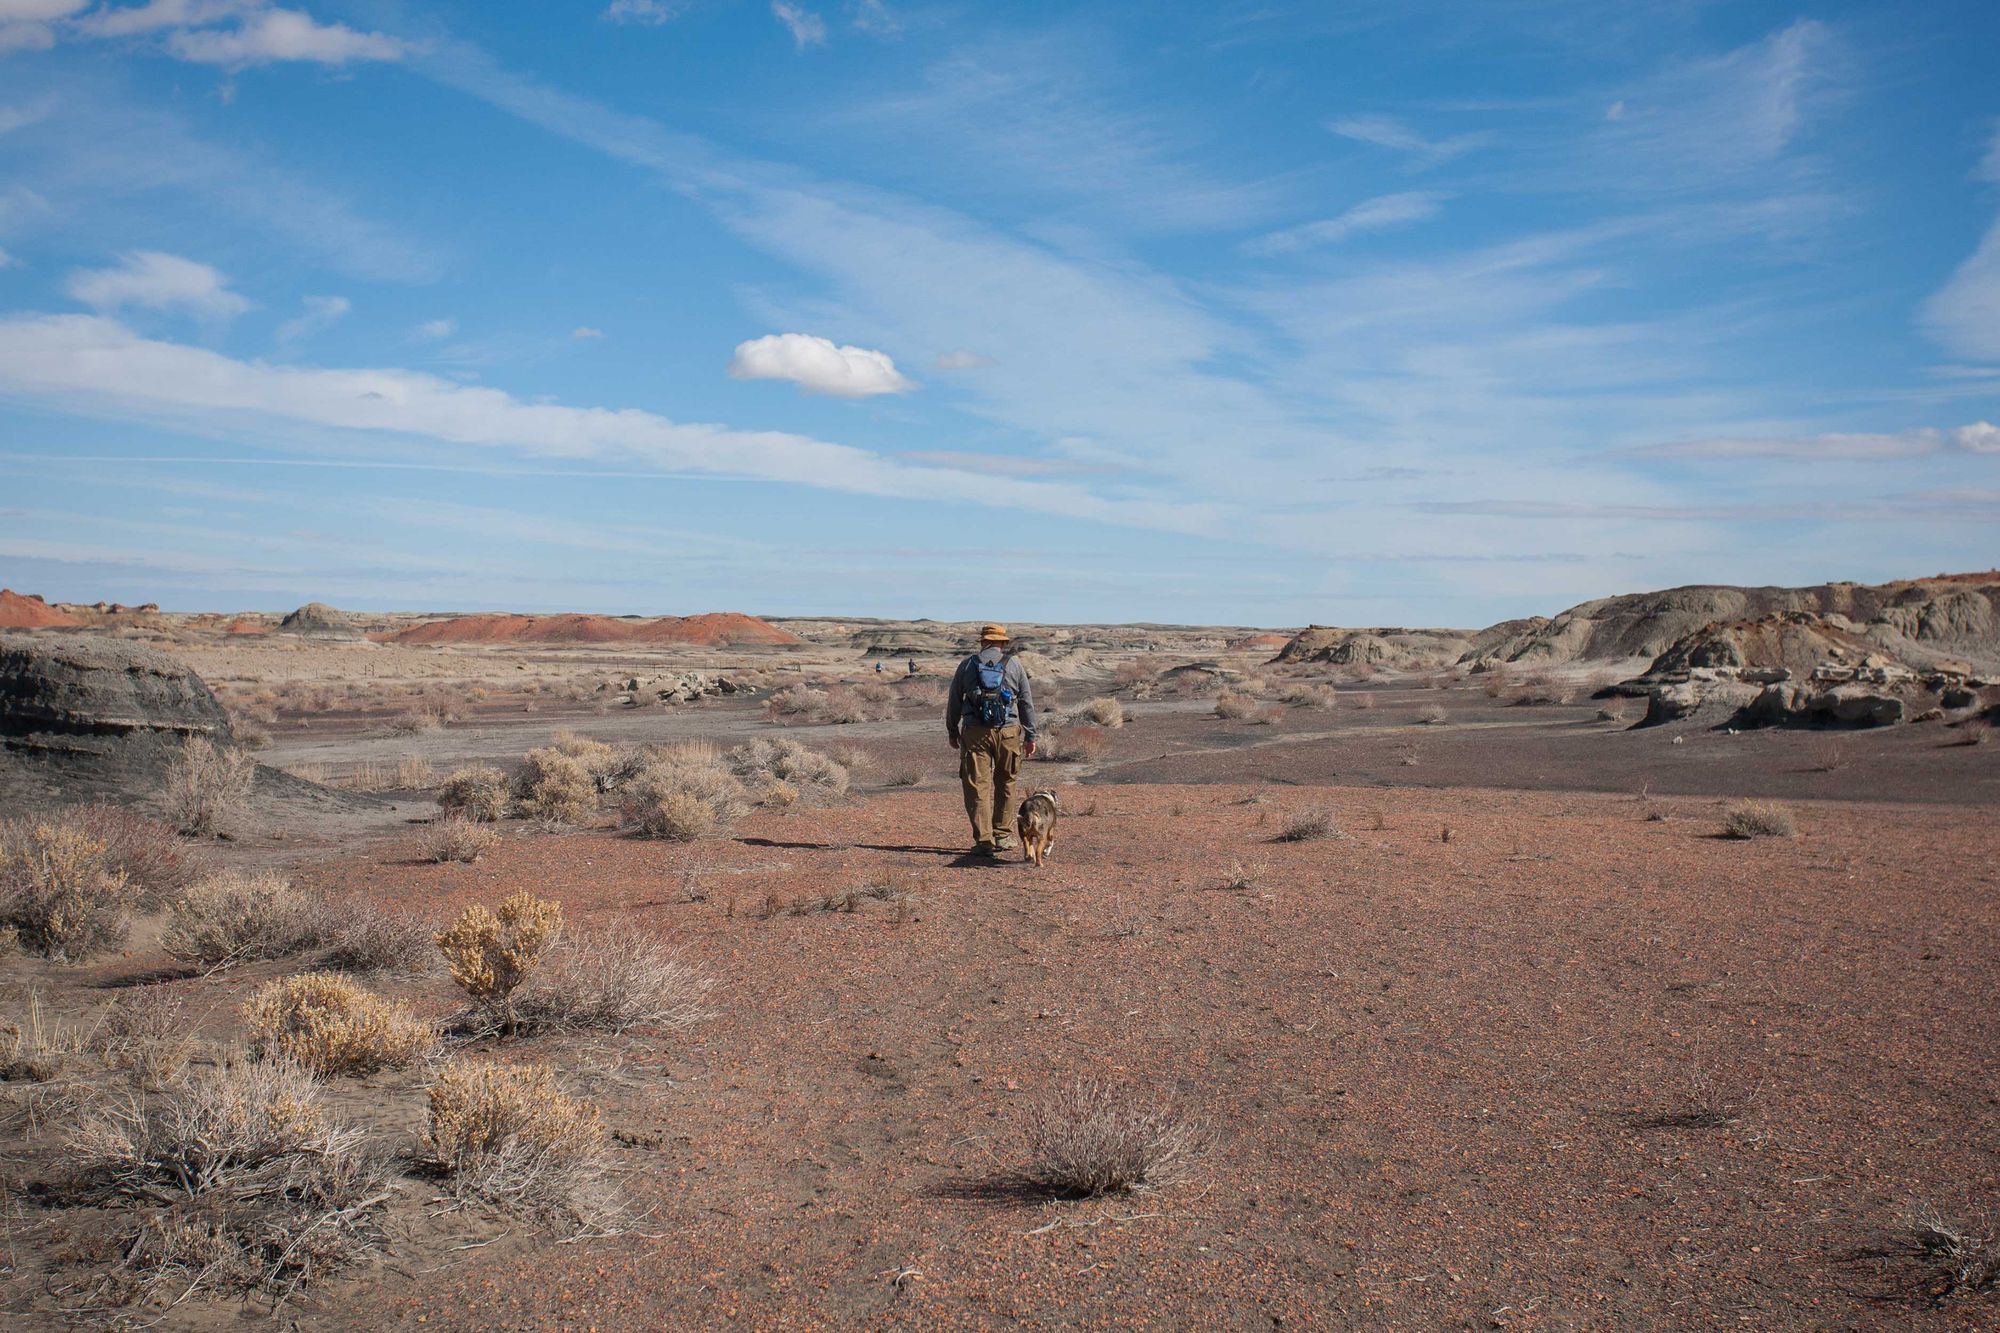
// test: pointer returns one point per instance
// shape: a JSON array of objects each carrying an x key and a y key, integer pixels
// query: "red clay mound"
[
  {"x": 30, "y": 612},
  {"x": 715, "y": 629},
  {"x": 1259, "y": 643}
]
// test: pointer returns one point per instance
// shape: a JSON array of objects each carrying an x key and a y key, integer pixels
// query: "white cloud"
[
  {"x": 94, "y": 365},
  {"x": 1979, "y": 437},
  {"x": 437, "y": 328},
  {"x": 131, "y": 20},
  {"x": 321, "y": 312},
  {"x": 585, "y": 331},
  {"x": 652, "y": 13},
  {"x": 157, "y": 281},
  {"x": 1392, "y": 133},
  {"x": 1989, "y": 166},
  {"x": 26, "y": 37},
  {"x": 38, "y": 11},
  {"x": 807, "y": 28},
  {"x": 873, "y": 17},
  {"x": 818, "y": 366},
  {"x": 1384, "y": 211},
  {"x": 961, "y": 359},
  {"x": 283, "y": 34}
]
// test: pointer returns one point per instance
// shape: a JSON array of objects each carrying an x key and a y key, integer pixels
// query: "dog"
[{"x": 1036, "y": 823}]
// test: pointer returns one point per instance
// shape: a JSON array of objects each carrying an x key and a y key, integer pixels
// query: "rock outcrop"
[
  {"x": 317, "y": 618},
  {"x": 1397, "y": 649}
]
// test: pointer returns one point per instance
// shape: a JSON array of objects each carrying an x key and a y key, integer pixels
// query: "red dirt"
[
  {"x": 18, "y": 611},
  {"x": 1445, "y": 1074},
  {"x": 717, "y": 628},
  {"x": 1259, "y": 643}
]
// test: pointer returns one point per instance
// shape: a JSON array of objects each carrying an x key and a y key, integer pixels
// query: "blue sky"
[{"x": 1361, "y": 313}]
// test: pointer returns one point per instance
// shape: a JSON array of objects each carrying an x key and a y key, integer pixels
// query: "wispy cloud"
[
  {"x": 651, "y": 13},
  {"x": 1377, "y": 214},
  {"x": 320, "y": 313},
  {"x": 1978, "y": 437},
  {"x": 807, "y": 28},
  {"x": 1397, "y": 135},
  {"x": 961, "y": 359},
  {"x": 435, "y": 329},
  {"x": 97, "y": 366},
  {"x": 266, "y": 35},
  {"x": 157, "y": 281}
]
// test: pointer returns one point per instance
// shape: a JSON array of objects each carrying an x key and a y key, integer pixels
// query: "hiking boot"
[
  {"x": 983, "y": 849},
  {"x": 1003, "y": 843}
]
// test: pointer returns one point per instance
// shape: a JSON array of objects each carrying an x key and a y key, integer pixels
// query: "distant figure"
[
  {"x": 913, "y": 666},
  {"x": 878, "y": 668},
  {"x": 989, "y": 718}
]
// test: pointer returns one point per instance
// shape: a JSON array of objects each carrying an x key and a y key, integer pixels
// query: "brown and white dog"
[{"x": 1036, "y": 823}]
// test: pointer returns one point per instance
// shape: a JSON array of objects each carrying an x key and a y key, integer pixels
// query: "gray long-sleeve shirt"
[{"x": 965, "y": 683}]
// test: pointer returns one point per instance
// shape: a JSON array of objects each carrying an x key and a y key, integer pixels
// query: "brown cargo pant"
[{"x": 989, "y": 759}]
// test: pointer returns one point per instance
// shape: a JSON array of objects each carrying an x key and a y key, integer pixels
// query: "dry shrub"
[
  {"x": 490, "y": 953},
  {"x": 39, "y": 1046},
  {"x": 151, "y": 1033},
  {"x": 859, "y": 761},
  {"x": 455, "y": 838},
  {"x": 1312, "y": 696},
  {"x": 1104, "y": 712},
  {"x": 354, "y": 935},
  {"x": 1758, "y": 819},
  {"x": 1310, "y": 826},
  {"x": 60, "y": 892},
  {"x": 1614, "y": 711},
  {"x": 1082, "y": 743},
  {"x": 207, "y": 789},
  {"x": 903, "y": 777},
  {"x": 1945, "y": 1257},
  {"x": 155, "y": 860},
  {"x": 1432, "y": 715},
  {"x": 507, "y": 1134},
  {"x": 1827, "y": 754},
  {"x": 414, "y": 773},
  {"x": 889, "y": 888},
  {"x": 414, "y": 722},
  {"x": 924, "y": 692},
  {"x": 477, "y": 791},
  {"x": 1087, "y": 1138},
  {"x": 238, "y": 916},
  {"x": 555, "y": 787},
  {"x": 818, "y": 778},
  {"x": 600, "y": 761},
  {"x": 261, "y": 1188},
  {"x": 1540, "y": 690},
  {"x": 795, "y": 703},
  {"x": 333, "y": 1025},
  {"x": 682, "y": 793},
  {"x": 1232, "y": 706},
  {"x": 613, "y": 980}
]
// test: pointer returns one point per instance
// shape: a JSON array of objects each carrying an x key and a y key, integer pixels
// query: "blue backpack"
[{"x": 992, "y": 699}]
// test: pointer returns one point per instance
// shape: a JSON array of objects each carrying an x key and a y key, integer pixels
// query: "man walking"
[{"x": 989, "y": 718}]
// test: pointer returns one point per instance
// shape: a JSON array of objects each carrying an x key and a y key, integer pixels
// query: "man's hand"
[
  {"x": 951, "y": 739},
  {"x": 1029, "y": 753}
]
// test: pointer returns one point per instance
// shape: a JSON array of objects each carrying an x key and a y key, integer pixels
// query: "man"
[{"x": 989, "y": 718}]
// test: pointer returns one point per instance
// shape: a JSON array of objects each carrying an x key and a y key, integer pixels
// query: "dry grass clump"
[
  {"x": 150, "y": 1033},
  {"x": 682, "y": 792},
  {"x": 1432, "y": 715},
  {"x": 456, "y": 838},
  {"x": 207, "y": 789},
  {"x": 602, "y": 762},
  {"x": 239, "y": 916},
  {"x": 507, "y": 1134},
  {"x": 39, "y": 1046},
  {"x": 1310, "y": 826},
  {"x": 890, "y": 888},
  {"x": 1087, "y": 1138},
  {"x": 332, "y": 1025},
  {"x": 477, "y": 791},
  {"x": 834, "y": 705},
  {"x": 1105, "y": 712},
  {"x": 1081, "y": 743},
  {"x": 1312, "y": 696},
  {"x": 155, "y": 860},
  {"x": 60, "y": 894},
  {"x": 246, "y": 1183},
  {"x": 1757, "y": 819},
  {"x": 1233, "y": 706},
  {"x": 613, "y": 980},
  {"x": 1828, "y": 754},
  {"x": 1946, "y": 1257},
  {"x": 555, "y": 788},
  {"x": 490, "y": 953},
  {"x": 354, "y": 935},
  {"x": 414, "y": 722},
  {"x": 816, "y": 778}
]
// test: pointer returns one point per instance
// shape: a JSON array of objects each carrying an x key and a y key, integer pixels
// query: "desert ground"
[{"x": 1448, "y": 976}]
